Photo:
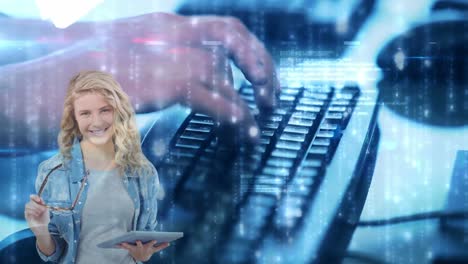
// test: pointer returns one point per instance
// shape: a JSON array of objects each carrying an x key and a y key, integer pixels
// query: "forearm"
[
  {"x": 32, "y": 95},
  {"x": 45, "y": 243},
  {"x": 50, "y": 247},
  {"x": 33, "y": 92},
  {"x": 45, "y": 31}
]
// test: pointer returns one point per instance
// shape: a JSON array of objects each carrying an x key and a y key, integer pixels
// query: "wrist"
[{"x": 41, "y": 231}]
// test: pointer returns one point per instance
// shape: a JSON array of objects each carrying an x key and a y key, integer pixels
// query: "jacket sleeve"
[
  {"x": 60, "y": 243},
  {"x": 156, "y": 193}
]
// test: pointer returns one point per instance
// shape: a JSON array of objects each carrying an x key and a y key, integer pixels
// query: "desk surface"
[{"x": 412, "y": 175}]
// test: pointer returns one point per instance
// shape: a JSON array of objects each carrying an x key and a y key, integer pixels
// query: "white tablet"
[{"x": 144, "y": 236}]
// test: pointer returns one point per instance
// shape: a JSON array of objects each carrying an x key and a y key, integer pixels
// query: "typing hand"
[
  {"x": 187, "y": 60},
  {"x": 159, "y": 59},
  {"x": 143, "y": 252}
]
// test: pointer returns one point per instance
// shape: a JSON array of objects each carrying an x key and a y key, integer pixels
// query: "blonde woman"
[{"x": 104, "y": 184}]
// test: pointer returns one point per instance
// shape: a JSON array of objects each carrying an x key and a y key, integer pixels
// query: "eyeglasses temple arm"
[{"x": 41, "y": 189}]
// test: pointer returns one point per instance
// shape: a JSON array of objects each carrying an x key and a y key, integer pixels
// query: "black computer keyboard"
[{"x": 237, "y": 192}]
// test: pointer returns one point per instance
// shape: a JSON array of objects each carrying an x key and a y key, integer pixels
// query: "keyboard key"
[
  {"x": 308, "y": 108},
  {"x": 267, "y": 132},
  {"x": 296, "y": 129},
  {"x": 287, "y": 98},
  {"x": 282, "y": 153},
  {"x": 260, "y": 148},
  {"x": 311, "y": 161},
  {"x": 318, "y": 150},
  {"x": 306, "y": 173},
  {"x": 199, "y": 128},
  {"x": 300, "y": 122},
  {"x": 248, "y": 97},
  {"x": 299, "y": 190},
  {"x": 268, "y": 180},
  {"x": 305, "y": 177},
  {"x": 315, "y": 95},
  {"x": 318, "y": 88},
  {"x": 257, "y": 157},
  {"x": 249, "y": 232},
  {"x": 274, "y": 118},
  {"x": 193, "y": 135},
  {"x": 275, "y": 171},
  {"x": 252, "y": 106},
  {"x": 337, "y": 108},
  {"x": 334, "y": 115},
  {"x": 191, "y": 144},
  {"x": 324, "y": 142},
  {"x": 311, "y": 102},
  {"x": 289, "y": 211},
  {"x": 279, "y": 111},
  {"x": 286, "y": 144},
  {"x": 344, "y": 96},
  {"x": 280, "y": 162},
  {"x": 325, "y": 133},
  {"x": 201, "y": 115},
  {"x": 341, "y": 103},
  {"x": 246, "y": 90},
  {"x": 304, "y": 115},
  {"x": 268, "y": 124},
  {"x": 264, "y": 140},
  {"x": 328, "y": 126},
  {"x": 202, "y": 121},
  {"x": 266, "y": 189},
  {"x": 293, "y": 137},
  {"x": 290, "y": 91},
  {"x": 183, "y": 152}
]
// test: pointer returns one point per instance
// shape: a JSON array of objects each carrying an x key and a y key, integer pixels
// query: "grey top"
[{"x": 107, "y": 213}]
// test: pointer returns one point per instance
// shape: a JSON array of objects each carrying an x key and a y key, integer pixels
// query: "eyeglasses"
[{"x": 59, "y": 209}]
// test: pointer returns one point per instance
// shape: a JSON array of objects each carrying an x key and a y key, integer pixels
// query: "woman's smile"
[{"x": 98, "y": 132}]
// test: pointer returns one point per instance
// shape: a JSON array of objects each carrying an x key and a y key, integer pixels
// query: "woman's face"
[{"x": 95, "y": 117}]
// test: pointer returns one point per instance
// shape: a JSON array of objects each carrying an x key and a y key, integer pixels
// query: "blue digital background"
[{"x": 417, "y": 150}]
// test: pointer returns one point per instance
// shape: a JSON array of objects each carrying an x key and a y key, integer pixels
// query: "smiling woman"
[
  {"x": 100, "y": 145},
  {"x": 96, "y": 110},
  {"x": 95, "y": 118}
]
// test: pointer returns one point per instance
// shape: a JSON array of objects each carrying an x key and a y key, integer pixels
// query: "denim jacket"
[{"x": 144, "y": 190}]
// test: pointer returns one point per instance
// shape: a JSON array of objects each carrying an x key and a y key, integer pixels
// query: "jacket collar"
[{"x": 77, "y": 164}]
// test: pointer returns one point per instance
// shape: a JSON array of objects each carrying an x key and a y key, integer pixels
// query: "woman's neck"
[{"x": 98, "y": 157}]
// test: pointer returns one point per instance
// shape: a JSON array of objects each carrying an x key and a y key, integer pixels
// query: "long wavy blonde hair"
[{"x": 126, "y": 138}]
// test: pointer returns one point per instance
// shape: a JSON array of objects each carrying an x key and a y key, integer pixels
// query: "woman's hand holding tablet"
[{"x": 144, "y": 236}]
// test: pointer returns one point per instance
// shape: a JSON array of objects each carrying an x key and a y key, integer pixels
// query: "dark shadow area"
[{"x": 426, "y": 73}]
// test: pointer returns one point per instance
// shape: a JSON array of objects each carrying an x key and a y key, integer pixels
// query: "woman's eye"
[{"x": 84, "y": 114}]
